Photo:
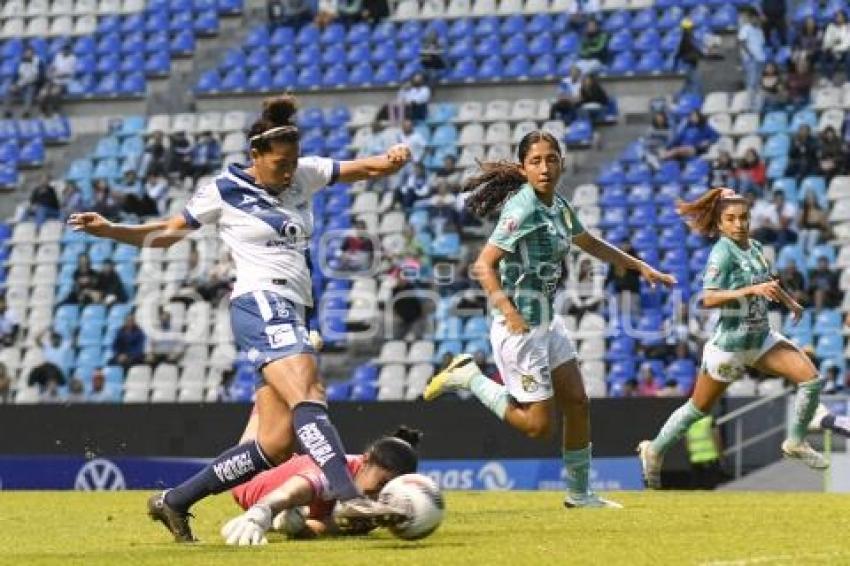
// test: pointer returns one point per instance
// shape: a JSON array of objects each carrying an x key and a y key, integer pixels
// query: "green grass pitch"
[{"x": 515, "y": 528}]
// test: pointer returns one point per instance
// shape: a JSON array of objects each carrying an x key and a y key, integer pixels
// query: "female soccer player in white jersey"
[
  {"x": 264, "y": 216},
  {"x": 520, "y": 268},
  {"x": 739, "y": 281}
]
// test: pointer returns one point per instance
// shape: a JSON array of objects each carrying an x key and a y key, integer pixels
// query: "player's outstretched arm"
[
  {"x": 713, "y": 298},
  {"x": 376, "y": 166},
  {"x": 603, "y": 251},
  {"x": 156, "y": 234}
]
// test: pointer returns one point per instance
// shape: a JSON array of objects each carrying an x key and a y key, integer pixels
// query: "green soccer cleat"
[{"x": 455, "y": 377}]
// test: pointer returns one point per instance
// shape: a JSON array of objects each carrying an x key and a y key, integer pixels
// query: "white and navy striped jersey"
[{"x": 267, "y": 235}]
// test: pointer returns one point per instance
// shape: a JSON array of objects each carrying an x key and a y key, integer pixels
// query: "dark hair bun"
[
  {"x": 280, "y": 110},
  {"x": 409, "y": 435}
]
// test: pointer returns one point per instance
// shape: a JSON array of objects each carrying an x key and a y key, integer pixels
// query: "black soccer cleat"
[{"x": 177, "y": 523}]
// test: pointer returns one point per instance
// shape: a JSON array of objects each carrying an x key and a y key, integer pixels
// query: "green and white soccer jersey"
[
  {"x": 536, "y": 238},
  {"x": 743, "y": 334},
  {"x": 743, "y": 324}
]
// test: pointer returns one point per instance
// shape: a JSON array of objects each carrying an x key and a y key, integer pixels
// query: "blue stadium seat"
[
  {"x": 464, "y": 69},
  {"x": 233, "y": 58},
  {"x": 358, "y": 54},
  {"x": 32, "y": 153},
  {"x": 774, "y": 123},
  {"x": 620, "y": 348},
  {"x": 479, "y": 345},
  {"x": 487, "y": 26},
  {"x": 360, "y": 33},
  {"x": 475, "y": 327},
  {"x": 617, "y": 20},
  {"x": 830, "y": 346},
  {"x": 180, "y": 21},
  {"x": 828, "y": 321},
  {"x": 567, "y": 44},
  {"x": 206, "y": 23},
  {"x": 613, "y": 195},
  {"x": 643, "y": 19},
  {"x": 788, "y": 254},
  {"x": 260, "y": 80},
  {"x": 621, "y": 41},
  {"x": 543, "y": 66},
  {"x": 282, "y": 36},
  {"x": 513, "y": 25},
  {"x": 623, "y": 64},
  {"x": 446, "y": 245},
  {"x": 806, "y": 116},
  {"x": 235, "y": 80},
  {"x": 539, "y": 24},
  {"x": 777, "y": 145},
  {"x": 776, "y": 167},
  {"x": 209, "y": 81},
  {"x": 384, "y": 31},
  {"x": 815, "y": 184},
  {"x": 724, "y": 18},
  {"x": 285, "y": 78},
  {"x": 453, "y": 347},
  {"x": 695, "y": 172},
  {"x": 410, "y": 30},
  {"x": 579, "y": 133},
  {"x": 106, "y": 169},
  {"x": 230, "y": 7},
  {"x": 640, "y": 194},
  {"x": 10, "y": 152},
  {"x": 459, "y": 29},
  {"x": 364, "y": 392},
  {"x": 338, "y": 391},
  {"x": 133, "y": 62},
  {"x": 89, "y": 356},
  {"x": 387, "y": 73},
  {"x": 648, "y": 40},
  {"x": 621, "y": 370}
]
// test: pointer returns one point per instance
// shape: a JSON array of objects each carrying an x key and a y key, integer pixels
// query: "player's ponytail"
[
  {"x": 396, "y": 453},
  {"x": 276, "y": 122},
  {"x": 703, "y": 214},
  {"x": 500, "y": 180}
]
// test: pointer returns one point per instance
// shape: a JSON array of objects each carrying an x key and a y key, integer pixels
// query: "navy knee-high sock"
[
  {"x": 318, "y": 438},
  {"x": 232, "y": 467}
]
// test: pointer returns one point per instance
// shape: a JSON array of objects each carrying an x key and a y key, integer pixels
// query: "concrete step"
[{"x": 784, "y": 475}]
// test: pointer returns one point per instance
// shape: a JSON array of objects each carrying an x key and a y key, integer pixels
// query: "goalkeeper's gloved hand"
[{"x": 249, "y": 528}]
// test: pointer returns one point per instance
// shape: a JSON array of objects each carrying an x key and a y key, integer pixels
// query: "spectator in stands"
[
  {"x": 358, "y": 248},
  {"x": 85, "y": 280},
  {"x": 798, "y": 82},
  {"x": 723, "y": 171},
  {"x": 9, "y": 323},
  {"x": 180, "y": 155},
  {"x": 833, "y": 378},
  {"x": 448, "y": 173},
  {"x": 443, "y": 210},
  {"x": 72, "y": 200},
  {"x": 414, "y": 187},
  {"x": 414, "y": 140},
  {"x": 647, "y": 386},
  {"x": 814, "y": 222},
  {"x": 830, "y": 153},
  {"x": 27, "y": 83},
  {"x": 326, "y": 12},
  {"x": 129, "y": 345},
  {"x": 823, "y": 286},
  {"x": 211, "y": 285},
  {"x": 774, "y": 222},
  {"x": 670, "y": 389},
  {"x": 593, "y": 53},
  {"x": 657, "y": 137},
  {"x": 807, "y": 44},
  {"x": 446, "y": 360},
  {"x": 431, "y": 55},
  {"x": 154, "y": 161},
  {"x": 5, "y": 384},
  {"x": 629, "y": 388},
  {"x": 100, "y": 392},
  {"x": 569, "y": 90},
  {"x": 109, "y": 286},
  {"x": 415, "y": 97},
  {"x": 693, "y": 137},
  {"x": 593, "y": 100},
  {"x": 166, "y": 344},
  {"x": 150, "y": 200},
  {"x": 206, "y": 155},
  {"x": 803, "y": 154},
  {"x": 76, "y": 391},
  {"x": 44, "y": 204},
  {"x": 752, "y": 49},
  {"x": 751, "y": 172},
  {"x": 49, "y": 375},
  {"x": 127, "y": 192},
  {"x": 688, "y": 55},
  {"x": 582, "y": 11},
  {"x": 836, "y": 46},
  {"x": 60, "y": 73},
  {"x": 374, "y": 11},
  {"x": 773, "y": 93},
  {"x": 408, "y": 309},
  {"x": 624, "y": 282},
  {"x": 793, "y": 282},
  {"x": 774, "y": 19},
  {"x": 104, "y": 203},
  {"x": 289, "y": 12}
]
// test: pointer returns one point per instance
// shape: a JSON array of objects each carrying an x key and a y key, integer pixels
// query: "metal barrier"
[{"x": 736, "y": 418}]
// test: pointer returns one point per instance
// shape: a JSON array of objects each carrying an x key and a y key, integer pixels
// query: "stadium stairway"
[{"x": 784, "y": 475}]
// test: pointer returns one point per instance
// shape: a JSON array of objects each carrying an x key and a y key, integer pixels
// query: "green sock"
[
  {"x": 491, "y": 394},
  {"x": 805, "y": 405},
  {"x": 577, "y": 465},
  {"x": 676, "y": 426}
]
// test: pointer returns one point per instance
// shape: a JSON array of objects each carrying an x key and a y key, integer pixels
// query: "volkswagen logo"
[{"x": 99, "y": 475}]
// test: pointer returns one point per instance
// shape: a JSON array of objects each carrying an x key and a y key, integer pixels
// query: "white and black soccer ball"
[{"x": 422, "y": 501}]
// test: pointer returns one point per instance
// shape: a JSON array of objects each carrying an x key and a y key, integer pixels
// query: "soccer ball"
[{"x": 421, "y": 499}]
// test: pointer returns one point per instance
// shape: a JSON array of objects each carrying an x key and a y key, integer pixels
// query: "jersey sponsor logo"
[
  {"x": 510, "y": 224},
  {"x": 248, "y": 199},
  {"x": 529, "y": 384},
  {"x": 234, "y": 467},
  {"x": 99, "y": 475},
  {"x": 729, "y": 372},
  {"x": 316, "y": 444},
  {"x": 280, "y": 335},
  {"x": 712, "y": 271}
]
